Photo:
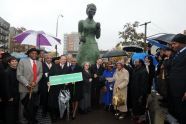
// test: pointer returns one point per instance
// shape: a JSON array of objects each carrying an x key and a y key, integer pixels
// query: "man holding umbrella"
[
  {"x": 177, "y": 79},
  {"x": 29, "y": 73}
]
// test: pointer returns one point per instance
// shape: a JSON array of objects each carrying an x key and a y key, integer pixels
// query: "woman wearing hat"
[
  {"x": 108, "y": 88},
  {"x": 121, "y": 78}
]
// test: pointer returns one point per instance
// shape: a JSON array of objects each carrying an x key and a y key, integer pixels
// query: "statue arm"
[
  {"x": 80, "y": 31},
  {"x": 98, "y": 30},
  {"x": 80, "y": 26}
]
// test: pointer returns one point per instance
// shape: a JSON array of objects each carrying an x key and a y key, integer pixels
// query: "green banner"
[{"x": 64, "y": 79}]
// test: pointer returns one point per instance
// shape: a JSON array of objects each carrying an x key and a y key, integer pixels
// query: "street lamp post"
[{"x": 57, "y": 30}]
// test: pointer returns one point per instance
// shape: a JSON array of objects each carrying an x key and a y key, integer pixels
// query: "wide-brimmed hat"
[
  {"x": 180, "y": 38},
  {"x": 31, "y": 50}
]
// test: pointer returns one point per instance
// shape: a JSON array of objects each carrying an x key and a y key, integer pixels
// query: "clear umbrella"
[{"x": 63, "y": 100}]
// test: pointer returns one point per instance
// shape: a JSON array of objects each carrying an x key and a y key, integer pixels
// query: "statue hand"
[
  {"x": 98, "y": 26},
  {"x": 82, "y": 39}
]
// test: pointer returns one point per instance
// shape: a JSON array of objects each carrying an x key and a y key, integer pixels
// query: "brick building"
[
  {"x": 71, "y": 42},
  {"x": 4, "y": 33}
]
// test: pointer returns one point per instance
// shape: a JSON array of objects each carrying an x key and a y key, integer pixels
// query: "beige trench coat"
[{"x": 121, "y": 81}]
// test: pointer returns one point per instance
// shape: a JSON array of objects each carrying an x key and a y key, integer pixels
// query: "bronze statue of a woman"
[{"x": 88, "y": 29}]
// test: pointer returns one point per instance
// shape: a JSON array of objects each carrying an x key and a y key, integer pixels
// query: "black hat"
[
  {"x": 31, "y": 50},
  {"x": 168, "y": 49},
  {"x": 149, "y": 45},
  {"x": 181, "y": 38}
]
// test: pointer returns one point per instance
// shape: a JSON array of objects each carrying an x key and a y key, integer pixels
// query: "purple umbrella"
[{"x": 36, "y": 38}]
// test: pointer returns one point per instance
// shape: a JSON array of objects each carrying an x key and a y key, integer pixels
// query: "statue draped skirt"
[{"x": 88, "y": 52}]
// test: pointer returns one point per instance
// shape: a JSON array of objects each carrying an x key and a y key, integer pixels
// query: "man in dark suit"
[
  {"x": 96, "y": 71},
  {"x": 60, "y": 69},
  {"x": 177, "y": 79},
  {"x": 29, "y": 73},
  {"x": 48, "y": 67},
  {"x": 139, "y": 91}
]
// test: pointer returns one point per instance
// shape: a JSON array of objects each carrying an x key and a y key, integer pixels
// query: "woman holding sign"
[{"x": 75, "y": 88}]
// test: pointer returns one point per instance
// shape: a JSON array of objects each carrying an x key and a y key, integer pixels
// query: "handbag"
[{"x": 118, "y": 99}]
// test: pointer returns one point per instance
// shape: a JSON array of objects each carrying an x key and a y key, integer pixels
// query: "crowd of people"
[
  {"x": 170, "y": 78},
  {"x": 122, "y": 87}
]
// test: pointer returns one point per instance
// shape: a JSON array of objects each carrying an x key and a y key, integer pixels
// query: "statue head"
[{"x": 91, "y": 10}]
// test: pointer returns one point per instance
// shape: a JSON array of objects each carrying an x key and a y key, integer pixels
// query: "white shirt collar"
[
  {"x": 49, "y": 65},
  {"x": 31, "y": 61},
  {"x": 62, "y": 65},
  {"x": 97, "y": 66},
  {"x": 68, "y": 64},
  {"x": 182, "y": 49}
]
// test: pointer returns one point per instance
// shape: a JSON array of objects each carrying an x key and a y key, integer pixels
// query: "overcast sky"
[{"x": 167, "y": 16}]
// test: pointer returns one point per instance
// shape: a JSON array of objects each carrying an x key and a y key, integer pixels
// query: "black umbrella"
[
  {"x": 133, "y": 48},
  {"x": 30, "y": 103},
  {"x": 114, "y": 53},
  {"x": 164, "y": 39},
  {"x": 156, "y": 43}
]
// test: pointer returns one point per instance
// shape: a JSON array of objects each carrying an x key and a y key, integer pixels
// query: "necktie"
[{"x": 34, "y": 68}]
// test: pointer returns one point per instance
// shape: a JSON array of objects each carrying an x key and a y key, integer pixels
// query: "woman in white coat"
[{"x": 121, "y": 78}]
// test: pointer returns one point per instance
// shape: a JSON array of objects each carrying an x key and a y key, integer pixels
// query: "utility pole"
[{"x": 145, "y": 38}]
